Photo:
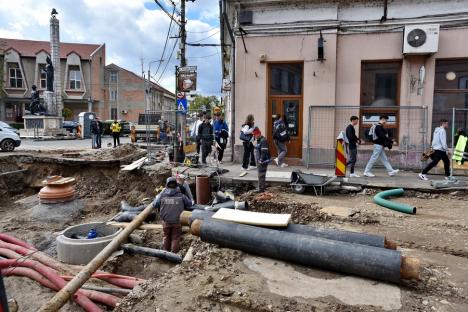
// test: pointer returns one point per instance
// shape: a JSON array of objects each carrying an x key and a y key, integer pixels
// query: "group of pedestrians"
[
  {"x": 209, "y": 133},
  {"x": 97, "y": 130},
  {"x": 378, "y": 135}
]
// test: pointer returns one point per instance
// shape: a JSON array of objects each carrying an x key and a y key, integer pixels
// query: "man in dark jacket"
[
  {"x": 96, "y": 131},
  {"x": 206, "y": 137},
  {"x": 170, "y": 204},
  {"x": 353, "y": 141},
  {"x": 381, "y": 140},
  {"x": 280, "y": 137},
  {"x": 262, "y": 155}
]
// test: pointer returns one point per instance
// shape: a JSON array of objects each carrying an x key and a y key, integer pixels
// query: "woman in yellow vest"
[{"x": 115, "y": 128}]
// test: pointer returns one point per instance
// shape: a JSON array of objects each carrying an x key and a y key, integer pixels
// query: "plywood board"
[
  {"x": 134, "y": 165},
  {"x": 252, "y": 218}
]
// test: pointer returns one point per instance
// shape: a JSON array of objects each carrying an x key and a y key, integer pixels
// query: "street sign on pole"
[
  {"x": 182, "y": 105},
  {"x": 187, "y": 79}
]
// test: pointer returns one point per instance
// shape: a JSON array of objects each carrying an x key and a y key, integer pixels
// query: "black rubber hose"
[
  {"x": 162, "y": 254},
  {"x": 339, "y": 235},
  {"x": 128, "y": 216},
  {"x": 124, "y": 206},
  {"x": 367, "y": 261}
]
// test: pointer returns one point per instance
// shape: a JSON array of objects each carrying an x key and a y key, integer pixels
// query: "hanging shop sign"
[{"x": 187, "y": 78}]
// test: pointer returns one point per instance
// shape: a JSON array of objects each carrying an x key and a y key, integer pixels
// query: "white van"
[{"x": 9, "y": 139}]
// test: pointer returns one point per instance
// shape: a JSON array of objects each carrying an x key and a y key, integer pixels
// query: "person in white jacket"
[
  {"x": 247, "y": 138},
  {"x": 194, "y": 132},
  {"x": 440, "y": 148}
]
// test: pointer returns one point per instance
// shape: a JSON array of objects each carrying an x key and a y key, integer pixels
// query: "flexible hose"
[
  {"x": 115, "y": 279},
  {"x": 106, "y": 299},
  {"x": 379, "y": 199},
  {"x": 52, "y": 276},
  {"x": 13, "y": 240}
]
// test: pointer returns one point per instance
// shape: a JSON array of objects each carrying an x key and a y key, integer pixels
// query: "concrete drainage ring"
[{"x": 81, "y": 250}]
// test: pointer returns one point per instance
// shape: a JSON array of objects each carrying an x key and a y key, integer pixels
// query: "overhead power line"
[
  {"x": 165, "y": 43},
  {"x": 167, "y": 13},
  {"x": 202, "y": 31},
  {"x": 217, "y": 32},
  {"x": 168, "y": 60}
]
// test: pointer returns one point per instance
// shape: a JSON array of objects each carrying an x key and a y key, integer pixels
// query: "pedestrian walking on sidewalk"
[
  {"x": 353, "y": 142},
  {"x": 221, "y": 132},
  {"x": 440, "y": 148},
  {"x": 194, "y": 132},
  {"x": 379, "y": 136},
  {"x": 96, "y": 132},
  {"x": 115, "y": 129},
  {"x": 280, "y": 138},
  {"x": 262, "y": 155},
  {"x": 246, "y": 136},
  {"x": 205, "y": 135},
  {"x": 170, "y": 204}
]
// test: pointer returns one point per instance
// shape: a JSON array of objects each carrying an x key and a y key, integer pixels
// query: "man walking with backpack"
[
  {"x": 440, "y": 148},
  {"x": 280, "y": 137},
  {"x": 353, "y": 141},
  {"x": 380, "y": 138},
  {"x": 205, "y": 135}
]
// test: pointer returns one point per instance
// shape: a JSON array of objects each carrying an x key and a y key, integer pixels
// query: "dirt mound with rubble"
[{"x": 120, "y": 151}]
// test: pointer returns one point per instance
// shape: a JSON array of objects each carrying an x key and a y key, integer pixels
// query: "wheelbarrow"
[{"x": 300, "y": 181}]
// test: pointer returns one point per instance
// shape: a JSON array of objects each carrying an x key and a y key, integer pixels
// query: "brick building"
[
  {"x": 126, "y": 95},
  {"x": 82, "y": 74}
]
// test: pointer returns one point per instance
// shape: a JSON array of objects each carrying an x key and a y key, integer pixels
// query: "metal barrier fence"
[{"x": 408, "y": 125}]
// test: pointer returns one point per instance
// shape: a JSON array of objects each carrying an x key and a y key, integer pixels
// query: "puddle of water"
[{"x": 285, "y": 281}]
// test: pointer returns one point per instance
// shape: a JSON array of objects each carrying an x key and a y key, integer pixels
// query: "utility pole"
[{"x": 183, "y": 34}]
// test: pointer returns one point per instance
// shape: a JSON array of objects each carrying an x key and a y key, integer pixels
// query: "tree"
[{"x": 200, "y": 100}]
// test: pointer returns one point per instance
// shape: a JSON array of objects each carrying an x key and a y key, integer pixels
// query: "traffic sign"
[{"x": 182, "y": 105}]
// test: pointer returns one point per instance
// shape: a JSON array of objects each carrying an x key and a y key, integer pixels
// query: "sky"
[{"x": 131, "y": 29}]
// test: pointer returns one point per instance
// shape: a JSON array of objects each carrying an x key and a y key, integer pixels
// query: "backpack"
[
  {"x": 281, "y": 133},
  {"x": 370, "y": 134}
]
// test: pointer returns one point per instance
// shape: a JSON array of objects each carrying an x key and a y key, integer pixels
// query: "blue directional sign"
[{"x": 182, "y": 105}]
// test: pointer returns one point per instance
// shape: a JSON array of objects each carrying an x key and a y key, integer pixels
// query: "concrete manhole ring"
[{"x": 81, "y": 250}]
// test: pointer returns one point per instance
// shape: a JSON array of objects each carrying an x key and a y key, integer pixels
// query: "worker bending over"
[{"x": 170, "y": 204}]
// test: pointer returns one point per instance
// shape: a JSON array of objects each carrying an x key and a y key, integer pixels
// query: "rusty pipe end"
[
  {"x": 195, "y": 228},
  {"x": 390, "y": 244},
  {"x": 409, "y": 268},
  {"x": 184, "y": 217}
]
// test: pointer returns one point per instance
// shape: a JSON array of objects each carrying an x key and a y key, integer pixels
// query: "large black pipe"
[
  {"x": 367, "y": 261},
  {"x": 162, "y": 254},
  {"x": 229, "y": 205},
  {"x": 339, "y": 235}
]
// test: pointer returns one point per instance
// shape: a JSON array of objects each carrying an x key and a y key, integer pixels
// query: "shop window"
[
  {"x": 74, "y": 78},
  {"x": 380, "y": 83},
  {"x": 286, "y": 79},
  {"x": 14, "y": 76},
  {"x": 42, "y": 77},
  {"x": 451, "y": 91}
]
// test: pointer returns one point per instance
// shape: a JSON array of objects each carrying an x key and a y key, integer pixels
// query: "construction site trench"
[{"x": 223, "y": 279}]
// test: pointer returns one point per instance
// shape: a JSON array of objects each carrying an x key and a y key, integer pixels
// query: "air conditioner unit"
[
  {"x": 124, "y": 111},
  {"x": 421, "y": 39}
]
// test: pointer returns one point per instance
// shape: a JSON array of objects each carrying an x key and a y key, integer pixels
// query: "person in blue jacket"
[{"x": 221, "y": 132}]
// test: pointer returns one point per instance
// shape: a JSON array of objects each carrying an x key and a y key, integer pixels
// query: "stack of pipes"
[{"x": 362, "y": 254}]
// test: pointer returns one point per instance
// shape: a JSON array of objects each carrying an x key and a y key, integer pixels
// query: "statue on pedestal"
[
  {"x": 49, "y": 71},
  {"x": 35, "y": 106}
]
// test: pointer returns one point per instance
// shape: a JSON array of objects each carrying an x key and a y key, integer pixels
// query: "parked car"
[
  {"x": 7, "y": 126},
  {"x": 71, "y": 126},
  {"x": 9, "y": 139}
]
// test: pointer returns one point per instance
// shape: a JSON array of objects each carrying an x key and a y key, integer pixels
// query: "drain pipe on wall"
[{"x": 85, "y": 274}]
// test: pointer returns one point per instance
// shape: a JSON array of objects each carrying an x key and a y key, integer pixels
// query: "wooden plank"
[
  {"x": 150, "y": 227},
  {"x": 134, "y": 165},
  {"x": 253, "y": 218}
]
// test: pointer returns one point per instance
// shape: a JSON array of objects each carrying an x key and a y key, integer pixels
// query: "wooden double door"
[{"x": 290, "y": 108}]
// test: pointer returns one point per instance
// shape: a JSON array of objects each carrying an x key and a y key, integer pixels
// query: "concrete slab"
[{"x": 284, "y": 280}]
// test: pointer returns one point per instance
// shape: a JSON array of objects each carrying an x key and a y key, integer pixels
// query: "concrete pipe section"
[{"x": 74, "y": 247}]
